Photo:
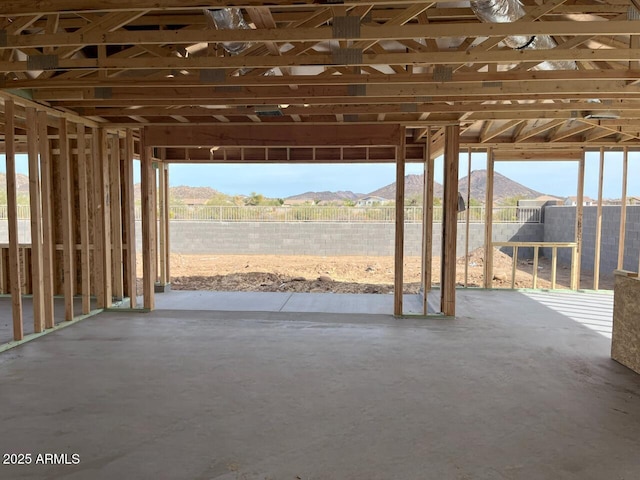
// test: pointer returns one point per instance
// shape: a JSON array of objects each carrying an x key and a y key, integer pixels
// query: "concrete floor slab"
[
  {"x": 349, "y": 303},
  {"x": 510, "y": 389},
  {"x": 222, "y": 301},
  {"x": 594, "y": 310},
  {"x": 286, "y": 302},
  {"x": 6, "y": 318}
]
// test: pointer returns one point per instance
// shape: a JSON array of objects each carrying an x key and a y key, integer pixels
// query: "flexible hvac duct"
[
  {"x": 228, "y": 19},
  {"x": 505, "y": 11}
]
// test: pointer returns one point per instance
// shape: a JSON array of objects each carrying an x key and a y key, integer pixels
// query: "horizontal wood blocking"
[{"x": 271, "y": 135}]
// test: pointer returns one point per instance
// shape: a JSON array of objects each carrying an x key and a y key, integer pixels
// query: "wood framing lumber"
[
  {"x": 12, "y": 217},
  {"x": 83, "y": 206},
  {"x": 66, "y": 202},
  {"x": 47, "y": 220},
  {"x": 450, "y": 221},
  {"x": 35, "y": 206},
  {"x": 398, "y": 289}
]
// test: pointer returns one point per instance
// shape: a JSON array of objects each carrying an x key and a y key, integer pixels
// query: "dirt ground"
[{"x": 348, "y": 274}]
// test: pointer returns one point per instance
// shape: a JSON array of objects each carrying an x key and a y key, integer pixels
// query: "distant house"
[
  {"x": 572, "y": 201},
  {"x": 541, "y": 201},
  {"x": 371, "y": 201}
]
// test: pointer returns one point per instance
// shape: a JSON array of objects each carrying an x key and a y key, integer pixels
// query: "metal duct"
[
  {"x": 228, "y": 19},
  {"x": 505, "y": 11}
]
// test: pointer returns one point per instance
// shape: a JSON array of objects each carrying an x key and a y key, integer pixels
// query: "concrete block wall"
[
  {"x": 24, "y": 231},
  {"x": 559, "y": 226},
  {"x": 326, "y": 239}
]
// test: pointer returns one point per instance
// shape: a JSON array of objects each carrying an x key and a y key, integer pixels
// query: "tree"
[
  {"x": 219, "y": 199},
  {"x": 254, "y": 199}
]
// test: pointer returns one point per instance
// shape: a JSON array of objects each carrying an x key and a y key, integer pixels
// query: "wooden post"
[
  {"x": 554, "y": 266},
  {"x": 36, "y": 221},
  {"x": 488, "y": 224},
  {"x": 116, "y": 217},
  {"x": 450, "y": 220},
  {"x": 427, "y": 223},
  {"x": 167, "y": 240},
  {"x": 83, "y": 198},
  {"x": 162, "y": 254},
  {"x": 466, "y": 235},
  {"x": 104, "y": 216},
  {"x": 623, "y": 209},
  {"x": 579, "y": 222},
  {"x": 596, "y": 260},
  {"x": 4, "y": 270},
  {"x": 47, "y": 221},
  {"x": 535, "y": 267},
  {"x": 514, "y": 266},
  {"x": 12, "y": 218},
  {"x": 149, "y": 223},
  {"x": 68, "y": 243},
  {"x": 399, "y": 245},
  {"x": 26, "y": 271},
  {"x": 98, "y": 221},
  {"x": 128, "y": 220}
]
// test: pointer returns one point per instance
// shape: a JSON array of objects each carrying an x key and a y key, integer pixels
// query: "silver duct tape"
[
  {"x": 357, "y": 90},
  {"x": 42, "y": 62},
  {"x": 502, "y": 11},
  {"x": 575, "y": 114},
  {"x": 347, "y": 56},
  {"x": 3, "y": 38},
  {"x": 491, "y": 84},
  {"x": 103, "y": 93},
  {"x": 633, "y": 13},
  {"x": 228, "y": 19},
  {"x": 508, "y": 11},
  {"x": 442, "y": 73},
  {"x": 212, "y": 75},
  {"x": 408, "y": 107},
  {"x": 346, "y": 27}
]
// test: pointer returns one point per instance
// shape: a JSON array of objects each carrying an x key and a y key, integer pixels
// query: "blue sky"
[{"x": 279, "y": 180}]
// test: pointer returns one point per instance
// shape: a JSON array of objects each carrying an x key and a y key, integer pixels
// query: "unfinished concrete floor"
[
  {"x": 511, "y": 389},
  {"x": 6, "y": 319}
]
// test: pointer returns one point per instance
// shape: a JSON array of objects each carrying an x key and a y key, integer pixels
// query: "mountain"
[
  {"x": 412, "y": 187},
  {"x": 22, "y": 182},
  {"x": 325, "y": 196},
  {"x": 185, "y": 194},
  {"x": 503, "y": 188},
  {"x": 192, "y": 195}
]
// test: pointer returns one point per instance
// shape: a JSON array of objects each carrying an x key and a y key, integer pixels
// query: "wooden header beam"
[
  {"x": 290, "y": 35},
  {"x": 40, "y": 7},
  {"x": 537, "y": 155},
  {"x": 272, "y": 135},
  {"x": 271, "y": 61}
]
